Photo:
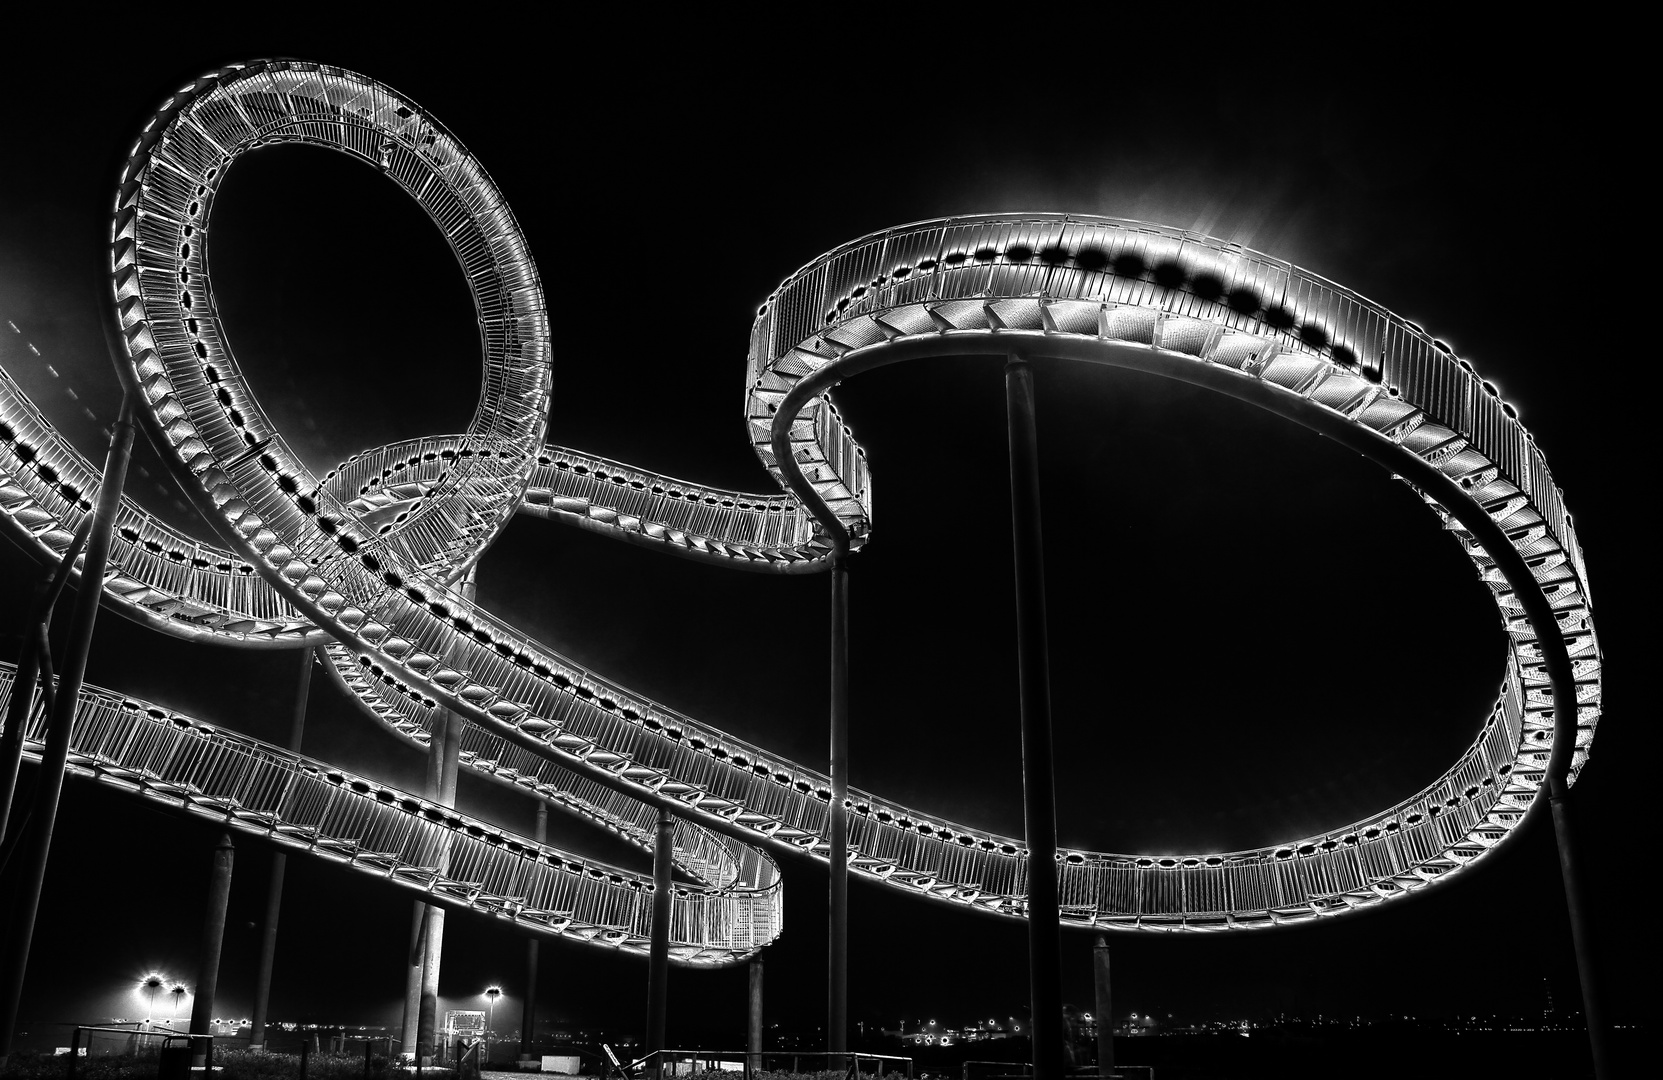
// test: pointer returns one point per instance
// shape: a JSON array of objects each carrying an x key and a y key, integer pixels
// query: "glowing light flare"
[
  {"x": 179, "y": 992},
  {"x": 145, "y": 991}
]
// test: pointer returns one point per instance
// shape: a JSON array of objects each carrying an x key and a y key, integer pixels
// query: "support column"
[
  {"x": 753, "y": 1026},
  {"x": 658, "y": 954},
  {"x": 35, "y": 842},
  {"x": 1582, "y": 938},
  {"x": 279, "y": 863},
  {"x": 444, "y": 749},
  {"x": 837, "y": 947},
  {"x": 207, "y": 952},
  {"x": 18, "y": 709},
  {"x": 528, "y": 1018},
  {"x": 34, "y": 663},
  {"x": 1562, "y": 679},
  {"x": 1103, "y": 1006},
  {"x": 413, "y": 981},
  {"x": 1038, "y": 781},
  {"x": 433, "y": 938}
]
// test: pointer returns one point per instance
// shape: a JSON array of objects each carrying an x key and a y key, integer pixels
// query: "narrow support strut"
[
  {"x": 837, "y": 906},
  {"x": 1038, "y": 781},
  {"x": 208, "y": 951},
  {"x": 279, "y": 864},
  {"x": 528, "y": 1016},
  {"x": 1103, "y": 1006},
  {"x": 443, "y": 760},
  {"x": 1582, "y": 934},
  {"x": 35, "y": 841},
  {"x": 658, "y": 955},
  {"x": 33, "y": 665},
  {"x": 753, "y": 1017}
]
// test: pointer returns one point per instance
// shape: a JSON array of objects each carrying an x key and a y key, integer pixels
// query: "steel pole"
[
  {"x": 444, "y": 750},
  {"x": 1103, "y": 1005},
  {"x": 207, "y": 952},
  {"x": 1582, "y": 938},
  {"x": 34, "y": 662},
  {"x": 528, "y": 1018},
  {"x": 753, "y": 1026},
  {"x": 447, "y": 745},
  {"x": 658, "y": 954},
  {"x": 1038, "y": 782},
  {"x": 431, "y": 923},
  {"x": 36, "y": 839},
  {"x": 413, "y": 983},
  {"x": 279, "y": 863},
  {"x": 837, "y": 943},
  {"x": 18, "y": 707}
]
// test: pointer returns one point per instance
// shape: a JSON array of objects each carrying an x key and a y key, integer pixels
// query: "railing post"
[
  {"x": 274, "y": 888},
  {"x": 35, "y": 842},
  {"x": 1038, "y": 780}
]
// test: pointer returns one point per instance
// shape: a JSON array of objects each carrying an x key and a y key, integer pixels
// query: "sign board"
[
  {"x": 564, "y": 1064},
  {"x": 464, "y": 1022}
]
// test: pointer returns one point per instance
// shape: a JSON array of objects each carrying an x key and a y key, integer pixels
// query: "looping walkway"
[{"x": 363, "y": 557}]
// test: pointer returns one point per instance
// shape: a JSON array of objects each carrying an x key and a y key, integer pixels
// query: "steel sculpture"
[{"x": 364, "y": 557}]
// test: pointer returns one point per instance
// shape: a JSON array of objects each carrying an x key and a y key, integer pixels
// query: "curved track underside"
[{"x": 364, "y": 557}]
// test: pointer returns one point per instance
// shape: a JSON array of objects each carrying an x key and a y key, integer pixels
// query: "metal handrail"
[
  {"x": 167, "y": 1035},
  {"x": 298, "y": 802},
  {"x": 755, "y": 1060}
]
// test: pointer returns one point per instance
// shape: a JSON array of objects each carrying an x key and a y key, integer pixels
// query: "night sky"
[{"x": 1256, "y": 635}]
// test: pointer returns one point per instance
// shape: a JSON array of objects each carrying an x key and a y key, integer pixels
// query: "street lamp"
[
  {"x": 178, "y": 993},
  {"x": 151, "y": 983},
  {"x": 492, "y": 992}
]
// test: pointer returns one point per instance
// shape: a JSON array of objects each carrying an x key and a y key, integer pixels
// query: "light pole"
[
  {"x": 178, "y": 993},
  {"x": 492, "y": 992},
  {"x": 151, "y": 983}
]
